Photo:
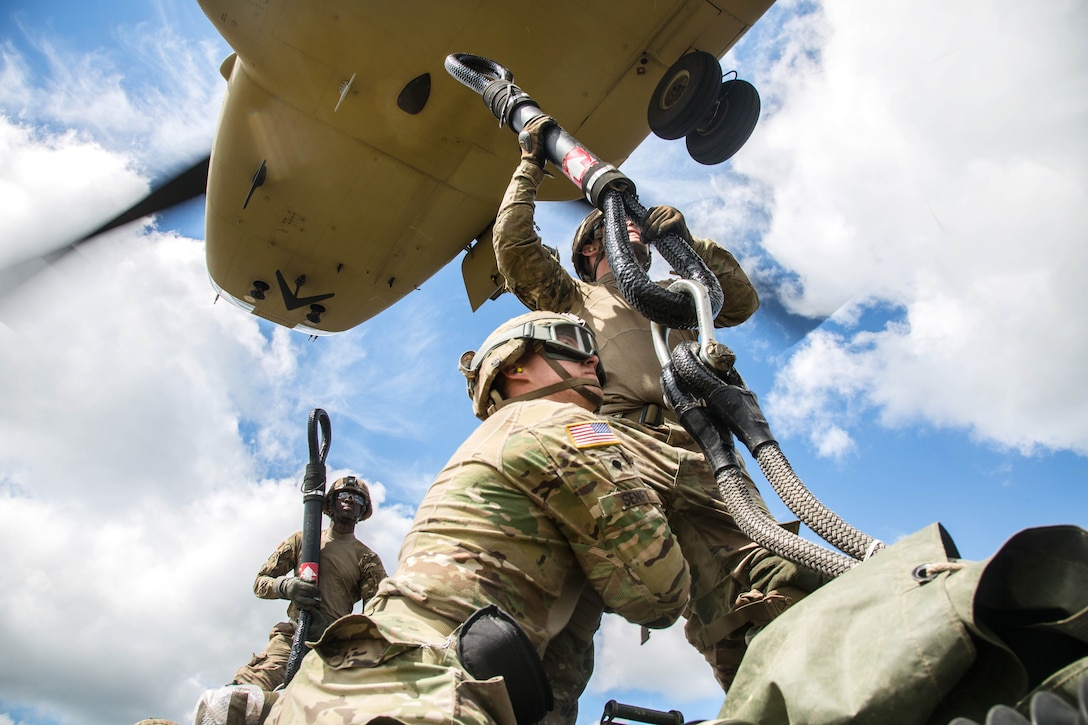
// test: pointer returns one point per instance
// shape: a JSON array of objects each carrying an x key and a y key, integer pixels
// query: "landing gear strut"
[
  {"x": 728, "y": 126},
  {"x": 685, "y": 95},
  {"x": 692, "y": 101}
]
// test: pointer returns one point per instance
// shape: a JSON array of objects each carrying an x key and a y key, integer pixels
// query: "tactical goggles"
[
  {"x": 565, "y": 341},
  {"x": 351, "y": 496},
  {"x": 561, "y": 340}
]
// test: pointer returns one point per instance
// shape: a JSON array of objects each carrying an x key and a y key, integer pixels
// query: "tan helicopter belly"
[{"x": 371, "y": 183}]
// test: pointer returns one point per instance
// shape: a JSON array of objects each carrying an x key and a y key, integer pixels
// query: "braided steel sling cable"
[
  {"x": 656, "y": 303},
  {"x": 756, "y": 524},
  {"x": 703, "y": 383}
]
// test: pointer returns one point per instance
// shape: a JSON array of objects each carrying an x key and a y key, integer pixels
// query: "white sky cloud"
[
  {"x": 56, "y": 186},
  {"x": 934, "y": 160},
  {"x": 625, "y": 664},
  {"x": 151, "y": 89}
]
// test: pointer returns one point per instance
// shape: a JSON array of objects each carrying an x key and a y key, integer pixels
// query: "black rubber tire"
[
  {"x": 729, "y": 125},
  {"x": 685, "y": 95}
]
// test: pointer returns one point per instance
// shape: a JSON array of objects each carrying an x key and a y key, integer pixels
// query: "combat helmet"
[
  {"x": 355, "y": 485},
  {"x": 559, "y": 332},
  {"x": 584, "y": 234}
]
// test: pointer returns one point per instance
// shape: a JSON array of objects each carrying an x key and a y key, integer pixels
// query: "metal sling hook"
[{"x": 711, "y": 352}]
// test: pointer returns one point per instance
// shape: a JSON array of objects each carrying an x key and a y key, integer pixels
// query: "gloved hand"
[
  {"x": 304, "y": 594},
  {"x": 531, "y": 139},
  {"x": 661, "y": 221}
]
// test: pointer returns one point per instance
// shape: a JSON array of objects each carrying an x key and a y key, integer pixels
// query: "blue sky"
[{"x": 915, "y": 187}]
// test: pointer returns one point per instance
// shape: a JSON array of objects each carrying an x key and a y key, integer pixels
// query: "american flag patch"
[{"x": 588, "y": 435}]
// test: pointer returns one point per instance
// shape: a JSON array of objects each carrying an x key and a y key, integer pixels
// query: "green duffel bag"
[{"x": 916, "y": 635}]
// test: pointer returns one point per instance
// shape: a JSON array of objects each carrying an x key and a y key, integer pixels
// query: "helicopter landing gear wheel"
[
  {"x": 685, "y": 95},
  {"x": 728, "y": 124}
]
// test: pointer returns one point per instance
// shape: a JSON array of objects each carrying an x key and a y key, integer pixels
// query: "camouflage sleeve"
[
  {"x": 372, "y": 571},
  {"x": 615, "y": 524},
  {"x": 741, "y": 300},
  {"x": 283, "y": 560},
  {"x": 568, "y": 661},
  {"x": 533, "y": 273}
]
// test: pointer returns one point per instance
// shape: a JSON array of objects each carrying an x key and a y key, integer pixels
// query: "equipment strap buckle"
[{"x": 655, "y": 419}]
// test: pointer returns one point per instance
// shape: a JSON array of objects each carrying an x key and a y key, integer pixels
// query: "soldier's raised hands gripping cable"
[
  {"x": 660, "y": 221},
  {"x": 531, "y": 139}
]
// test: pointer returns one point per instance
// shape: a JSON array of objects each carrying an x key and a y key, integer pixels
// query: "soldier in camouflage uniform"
[
  {"x": 542, "y": 503},
  {"x": 736, "y": 585},
  {"x": 350, "y": 573}
]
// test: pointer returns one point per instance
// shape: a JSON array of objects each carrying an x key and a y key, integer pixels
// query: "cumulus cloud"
[
  {"x": 57, "y": 187},
  {"x": 624, "y": 663},
  {"x": 146, "y": 89},
  {"x": 931, "y": 162}
]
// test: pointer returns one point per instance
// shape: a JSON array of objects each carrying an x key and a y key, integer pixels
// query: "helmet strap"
[
  {"x": 579, "y": 385},
  {"x": 597, "y": 263}
]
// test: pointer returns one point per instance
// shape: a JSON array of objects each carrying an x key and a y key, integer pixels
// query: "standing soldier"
[
  {"x": 350, "y": 573},
  {"x": 736, "y": 585},
  {"x": 535, "y": 276}
]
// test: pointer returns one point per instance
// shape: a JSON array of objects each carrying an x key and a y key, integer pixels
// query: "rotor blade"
[
  {"x": 14, "y": 275},
  {"x": 188, "y": 184}
]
